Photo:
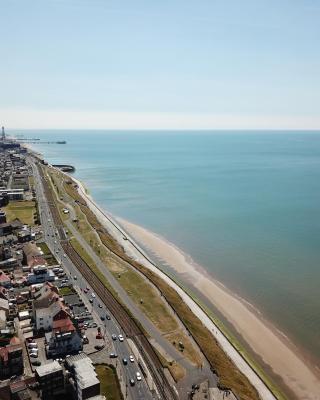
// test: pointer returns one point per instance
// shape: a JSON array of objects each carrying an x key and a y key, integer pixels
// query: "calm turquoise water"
[{"x": 243, "y": 205}]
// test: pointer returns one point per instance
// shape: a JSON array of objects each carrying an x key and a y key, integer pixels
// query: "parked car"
[
  {"x": 114, "y": 336},
  {"x": 131, "y": 358},
  {"x": 99, "y": 305},
  {"x": 102, "y": 318},
  {"x": 34, "y": 355},
  {"x": 125, "y": 361},
  {"x": 32, "y": 345},
  {"x": 138, "y": 375},
  {"x": 113, "y": 355},
  {"x": 120, "y": 338},
  {"x": 132, "y": 382},
  {"x": 36, "y": 363},
  {"x": 99, "y": 346},
  {"x": 108, "y": 317}
]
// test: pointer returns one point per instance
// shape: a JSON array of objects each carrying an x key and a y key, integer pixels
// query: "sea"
[{"x": 243, "y": 205}]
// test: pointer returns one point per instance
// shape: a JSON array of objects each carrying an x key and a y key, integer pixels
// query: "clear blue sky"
[{"x": 247, "y": 60}]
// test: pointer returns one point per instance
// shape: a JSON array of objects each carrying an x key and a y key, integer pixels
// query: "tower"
[{"x": 3, "y": 137}]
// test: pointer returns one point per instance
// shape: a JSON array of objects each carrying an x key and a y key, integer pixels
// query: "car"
[
  {"x": 131, "y": 358},
  {"x": 85, "y": 340},
  {"x": 132, "y": 382},
  {"x": 102, "y": 318},
  {"x": 75, "y": 278},
  {"x": 55, "y": 242},
  {"x": 113, "y": 355},
  {"x": 99, "y": 305},
  {"x": 34, "y": 355},
  {"x": 93, "y": 295},
  {"x": 138, "y": 375},
  {"x": 99, "y": 336},
  {"x": 36, "y": 363},
  {"x": 125, "y": 361},
  {"x": 91, "y": 301},
  {"x": 64, "y": 255},
  {"x": 108, "y": 317},
  {"x": 85, "y": 290},
  {"x": 32, "y": 345},
  {"x": 114, "y": 336},
  {"x": 93, "y": 325},
  {"x": 120, "y": 338},
  {"x": 99, "y": 346}
]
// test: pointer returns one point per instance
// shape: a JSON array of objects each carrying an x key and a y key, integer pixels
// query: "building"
[
  {"x": 51, "y": 379},
  {"x": 33, "y": 255},
  {"x": 84, "y": 379},
  {"x": 40, "y": 274},
  {"x": 45, "y": 317},
  {"x": 63, "y": 340},
  {"x": 11, "y": 361},
  {"x": 13, "y": 194},
  {"x": 5, "y": 281}
]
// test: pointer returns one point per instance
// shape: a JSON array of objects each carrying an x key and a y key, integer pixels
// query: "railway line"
[{"x": 126, "y": 322}]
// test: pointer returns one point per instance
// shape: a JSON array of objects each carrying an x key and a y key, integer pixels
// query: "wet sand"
[{"x": 282, "y": 357}]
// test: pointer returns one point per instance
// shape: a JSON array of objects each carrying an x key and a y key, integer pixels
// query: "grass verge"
[
  {"x": 109, "y": 384},
  {"x": 24, "y": 210}
]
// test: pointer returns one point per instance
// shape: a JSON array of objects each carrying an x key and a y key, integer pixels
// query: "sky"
[{"x": 169, "y": 64}]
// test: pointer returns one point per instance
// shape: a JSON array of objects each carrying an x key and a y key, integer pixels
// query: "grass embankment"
[
  {"x": 24, "y": 210},
  {"x": 229, "y": 375},
  {"x": 138, "y": 288},
  {"x": 109, "y": 384}
]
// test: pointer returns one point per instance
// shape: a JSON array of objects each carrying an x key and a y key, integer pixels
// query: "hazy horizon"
[{"x": 165, "y": 65}]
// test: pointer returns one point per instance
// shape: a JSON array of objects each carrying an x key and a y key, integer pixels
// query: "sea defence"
[{"x": 64, "y": 167}]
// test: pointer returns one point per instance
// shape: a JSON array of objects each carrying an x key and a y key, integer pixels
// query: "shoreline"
[
  {"x": 226, "y": 300},
  {"x": 282, "y": 359}
]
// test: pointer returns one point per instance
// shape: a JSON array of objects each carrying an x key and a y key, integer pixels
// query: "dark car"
[
  {"x": 125, "y": 361},
  {"x": 37, "y": 363},
  {"x": 132, "y": 382},
  {"x": 114, "y": 336},
  {"x": 102, "y": 318},
  {"x": 99, "y": 346},
  {"x": 108, "y": 317}
]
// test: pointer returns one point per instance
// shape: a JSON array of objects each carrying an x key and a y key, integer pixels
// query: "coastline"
[
  {"x": 273, "y": 349},
  {"x": 297, "y": 375}
]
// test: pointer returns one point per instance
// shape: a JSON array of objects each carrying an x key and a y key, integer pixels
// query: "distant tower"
[{"x": 3, "y": 137}]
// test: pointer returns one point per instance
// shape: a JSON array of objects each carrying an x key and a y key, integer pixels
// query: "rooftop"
[{"x": 47, "y": 369}]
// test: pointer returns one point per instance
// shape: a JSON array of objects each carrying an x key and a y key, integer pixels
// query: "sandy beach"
[
  {"x": 282, "y": 358},
  {"x": 274, "y": 351}
]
